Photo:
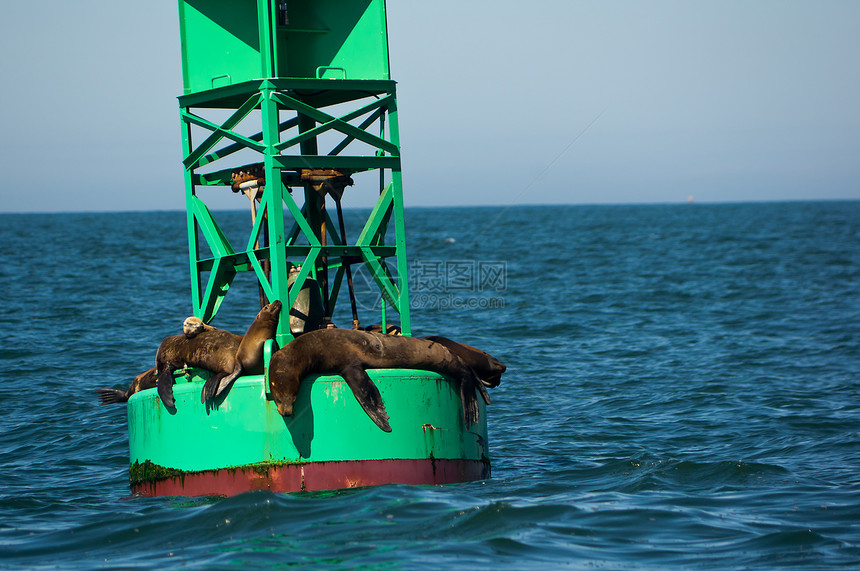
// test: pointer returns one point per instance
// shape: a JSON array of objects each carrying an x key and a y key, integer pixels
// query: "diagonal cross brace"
[
  {"x": 370, "y": 236},
  {"x": 378, "y": 107},
  {"x": 252, "y": 251},
  {"x": 236, "y": 147},
  {"x": 221, "y": 274},
  {"x": 329, "y": 122},
  {"x": 221, "y": 131}
]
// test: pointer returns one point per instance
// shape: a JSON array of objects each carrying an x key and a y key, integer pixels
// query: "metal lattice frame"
[{"x": 303, "y": 101}]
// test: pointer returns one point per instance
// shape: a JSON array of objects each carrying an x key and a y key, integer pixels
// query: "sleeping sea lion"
[
  {"x": 145, "y": 380},
  {"x": 213, "y": 350},
  {"x": 226, "y": 355},
  {"x": 148, "y": 379},
  {"x": 347, "y": 352},
  {"x": 488, "y": 368}
]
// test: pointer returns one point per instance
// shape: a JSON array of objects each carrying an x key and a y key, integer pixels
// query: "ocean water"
[{"x": 683, "y": 391}]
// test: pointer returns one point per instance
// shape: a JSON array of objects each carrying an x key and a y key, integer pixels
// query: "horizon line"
[{"x": 526, "y": 205}]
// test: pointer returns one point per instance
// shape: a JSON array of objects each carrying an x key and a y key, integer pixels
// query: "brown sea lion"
[
  {"x": 148, "y": 379},
  {"x": 216, "y": 350},
  {"x": 488, "y": 368},
  {"x": 145, "y": 380},
  {"x": 348, "y": 353},
  {"x": 213, "y": 350},
  {"x": 249, "y": 355}
]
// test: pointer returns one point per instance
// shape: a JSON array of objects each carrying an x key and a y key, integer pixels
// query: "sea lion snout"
[
  {"x": 192, "y": 326},
  {"x": 273, "y": 307}
]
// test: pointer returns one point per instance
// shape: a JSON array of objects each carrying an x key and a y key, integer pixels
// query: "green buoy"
[{"x": 291, "y": 104}]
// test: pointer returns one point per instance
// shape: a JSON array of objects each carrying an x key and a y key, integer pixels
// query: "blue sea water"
[{"x": 683, "y": 391}]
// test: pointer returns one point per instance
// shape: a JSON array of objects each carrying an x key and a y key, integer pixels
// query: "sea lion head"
[
  {"x": 273, "y": 308},
  {"x": 267, "y": 317},
  {"x": 192, "y": 326}
]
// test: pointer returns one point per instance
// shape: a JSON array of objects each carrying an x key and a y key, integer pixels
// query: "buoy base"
[
  {"x": 240, "y": 443},
  {"x": 313, "y": 476}
]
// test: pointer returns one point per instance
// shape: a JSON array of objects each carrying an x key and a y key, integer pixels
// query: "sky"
[{"x": 500, "y": 103}]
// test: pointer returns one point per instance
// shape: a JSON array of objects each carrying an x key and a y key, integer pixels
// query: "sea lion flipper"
[
  {"x": 367, "y": 395},
  {"x": 111, "y": 396},
  {"x": 471, "y": 412},
  {"x": 483, "y": 390},
  {"x": 227, "y": 380},
  {"x": 211, "y": 386},
  {"x": 165, "y": 386}
]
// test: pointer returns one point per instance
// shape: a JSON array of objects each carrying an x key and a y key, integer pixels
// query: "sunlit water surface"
[{"x": 683, "y": 391}]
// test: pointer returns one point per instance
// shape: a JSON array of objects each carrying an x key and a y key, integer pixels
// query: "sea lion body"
[
  {"x": 249, "y": 354},
  {"x": 191, "y": 327},
  {"x": 226, "y": 355},
  {"x": 488, "y": 368},
  {"x": 213, "y": 350},
  {"x": 145, "y": 380},
  {"x": 348, "y": 353}
]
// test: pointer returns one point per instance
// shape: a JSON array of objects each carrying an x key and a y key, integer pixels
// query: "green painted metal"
[
  {"x": 290, "y": 86},
  {"x": 327, "y": 424},
  {"x": 310, "y": 83},
  {"x": 225, "y": 42}
]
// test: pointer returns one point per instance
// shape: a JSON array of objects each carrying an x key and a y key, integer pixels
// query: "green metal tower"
[
  {"x": 290, "y": 102},
  {"x": 286, "y": 101}
]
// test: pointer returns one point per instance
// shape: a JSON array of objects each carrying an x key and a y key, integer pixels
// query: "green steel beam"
[
  {"x": 325, "y": 91},
  {"x": 222, "y": 131},
  {"x": 274, "y": 210},
  {"x": 235, "y": 147},
  {"x": 333, "y": 122},
  {"x": 353, "y": 163},
  {"x": 191, "y": 222},
  {"x": 254, "y": 254},
  {"x": 375, "y": 116},
  {"x": 305, "y": 97},
  {"x": 243, "y": 261}
]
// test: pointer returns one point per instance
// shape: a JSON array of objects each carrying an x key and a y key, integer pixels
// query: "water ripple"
[{"x": 682, "y": 393}]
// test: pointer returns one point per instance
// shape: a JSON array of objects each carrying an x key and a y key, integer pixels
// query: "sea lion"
[
  {"x": 191, "y": 327},
  {"x": 145, "y": 380},
  {"x": 213, "y": 350},
  {"x": 249, "y": 355},
  {"x": 348, "y": 352},
  {"x": 148, "y": 379},
  {"x": 488, "y": 368},
  {"x": 216, "y": 350}
]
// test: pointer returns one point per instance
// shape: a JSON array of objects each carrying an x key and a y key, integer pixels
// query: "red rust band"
[{"x": 315, "y": 476}]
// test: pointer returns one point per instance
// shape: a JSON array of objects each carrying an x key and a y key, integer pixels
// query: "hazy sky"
[{"x": 551, "y": 101}]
